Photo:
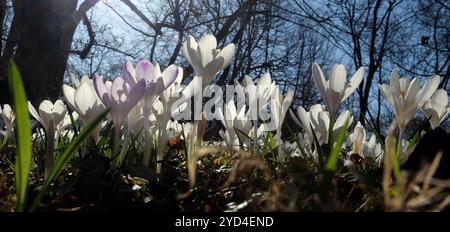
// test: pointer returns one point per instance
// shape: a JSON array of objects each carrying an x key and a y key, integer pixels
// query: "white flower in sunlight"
[
  {"x": 85, "y": 102},
  {"x": 8, "y": 118},
  {"x": 436, "y": 108},
  {"x": 359, "y": 144},
  {"x": 304, "y": 120},
  {"x": 373, "y": 149},
  {"x": 173, "y": 91},
  {"x": 119, "y": 96},
  {"x": 405, "y": 96},
  {"x": 206, "y": 59},
  {"x": 50, "y": 115},
  {"x": 317, "y": 121},
  {"x": 155, "y": 80},
  {"x": 279, "y": 108},
  {"x": 322, "y": 124},
  {"x": 227, "y": 120},
  {"x": 357, "y": 139},
  {"x": 259, "y": 93},
  {"x": 335, "y": 90}
]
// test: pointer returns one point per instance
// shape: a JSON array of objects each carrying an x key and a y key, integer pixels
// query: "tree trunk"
[{"x": 45, "y": 29}]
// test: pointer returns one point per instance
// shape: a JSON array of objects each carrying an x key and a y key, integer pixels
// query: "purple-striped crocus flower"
[
  {"x": 155, "y": 83},
  {"x": 120, "y": 97}
]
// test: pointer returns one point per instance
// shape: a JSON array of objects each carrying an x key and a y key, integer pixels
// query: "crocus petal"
[
  {"x": 354, "y": 83},
  {"x": 134, "y": 96},
  {"x": 342, "y": 119},
  {"x": 34, "y": 113},
  {"x": 227, "y": 54},
  {"x": 395, "y": 83},
  {"x": 404, "y": 84},
  {"x": 46, "y": 112},
  {"x": 145, "y": 70},
  {"x": 337, "y": 79},
  {"x": 195, "y": 60},
  {"x": 85, "y": 99},
  {"x": 185, "y": 49},
  {"x": 320, "y": 81},
  {"x": 59, "y": 111},
  {"x": 84, "y": 79},
  {"x": 413, "y": 90},
  {"x": 117, "y": 90},
  {"x": 211, "y": 69},
  {"x": 169, "y": 75},
  {"x": 69, "y": 95},
  {"x": 248, "y": 81},
  {"x": 207, "y": 46},
  {"x": 323, "y": 125},
  {"x": 440, "y": 99},
  {"x": 386, "y": 91},
  {"x": 430, "y": 87},
  {"x": 305, "y": 119},
  {"x": 102, "y": 90},
  {"x": 128, "y": 73}
]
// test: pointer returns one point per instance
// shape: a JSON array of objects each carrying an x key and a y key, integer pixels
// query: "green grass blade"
[
  {"x": 334, "y": 155},
  {"x": 23, "y": 132},
  {"x": 414, "y": 140},
  {"x": 65, "y": 157}
]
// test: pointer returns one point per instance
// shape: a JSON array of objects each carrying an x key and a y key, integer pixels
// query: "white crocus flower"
[
  {"x": 373, "y": 149},
  {"x": 322, "y": 124},
  {"x": 229, "y": 121},
  {"x": 259, "y": 94},
  {"x": 85, "y": 101},
  {"x": 207, "y": 60},
  {"x": 362, "y": 147},
  {"x": 304, "y": 120},
  {"x": 155, "y": 84},
  {"x": 258, "y": 99},
  {"x": 8, "y": 117},
  {"x": 437, "y": 108},
  {"x": 243, "y": 126},
  {"x": 405, "y": 96},
  {"x": 49, "y": 116},
  {"x": 357, "y": 139},
  {"x": 335, "y": 90},
  {"x": 279, "y": 108}
]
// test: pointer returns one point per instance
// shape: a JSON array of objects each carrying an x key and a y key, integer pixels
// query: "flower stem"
[
  {"x": 147, "y": 148},
  {"x": 330, "y": 131},
  {"x": 50, "y": 147},
  {"x": 124, "y": 150},
  {"x": 116, "y": 140},
  {"x": 255, "y": 137}
]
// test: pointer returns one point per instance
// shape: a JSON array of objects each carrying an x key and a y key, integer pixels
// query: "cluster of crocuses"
[
  {"x": 404, "y": 96},
  {"x": 143, "y": 101}
]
